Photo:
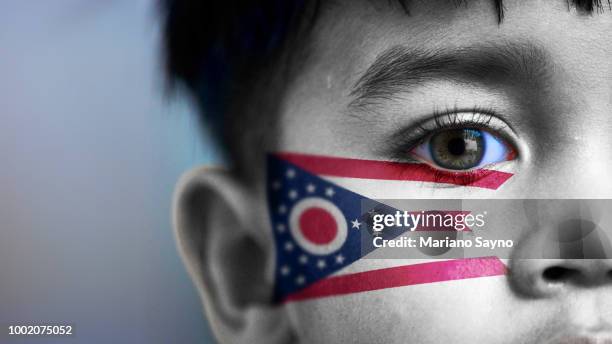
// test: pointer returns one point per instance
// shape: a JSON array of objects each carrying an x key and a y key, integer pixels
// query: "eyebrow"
[{"x": 400, "y": 69}]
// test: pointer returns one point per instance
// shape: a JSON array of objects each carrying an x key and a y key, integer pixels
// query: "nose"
[
  {"x": 540, "y": 278},
  {"x": 567, "y": 249}
]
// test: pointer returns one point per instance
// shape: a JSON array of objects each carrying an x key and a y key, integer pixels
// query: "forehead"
[
  {"x": 353, "y": 33},
  {"x": 361, "y": 29},
  {"x": 350, "y": 35}
]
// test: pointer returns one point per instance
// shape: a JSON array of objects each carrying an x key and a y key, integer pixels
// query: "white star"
[
  {"x": 303, "y": 259},
  {"x": 276, "y": 185},
  {"x": 310, "y": 188},
  {"x": 339, "y": 259},
  {"x": 356, "y": 223},
  {"x": 282, "y": 209},
  {"x": 280, "y": 228},
  {"x": 300, "y": 280},
  {"x": 290, "y": 173},
  {"x": 329, "y": 192},
  {"x": 289, "y": 246},
  {"x": 321, "y": 264},
  {"x": 284, "y": 270},
  {"x": 293, "y": 194}
]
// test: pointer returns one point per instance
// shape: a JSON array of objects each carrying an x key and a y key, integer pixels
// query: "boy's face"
[
  {"x": 552, "y": 103},
  {"x": 538, "y": 86}
]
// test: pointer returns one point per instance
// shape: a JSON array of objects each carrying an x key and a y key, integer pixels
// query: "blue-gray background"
[{"x": 90, "y": 151}]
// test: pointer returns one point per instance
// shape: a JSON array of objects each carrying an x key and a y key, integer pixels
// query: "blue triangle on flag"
[{"x": 300, "y": 263}]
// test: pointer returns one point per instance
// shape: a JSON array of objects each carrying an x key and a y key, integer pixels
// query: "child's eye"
[{"x": 460, "y": 149}]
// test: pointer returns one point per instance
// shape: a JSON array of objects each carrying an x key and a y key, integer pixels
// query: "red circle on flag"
[{"x": 318, "y": 225}]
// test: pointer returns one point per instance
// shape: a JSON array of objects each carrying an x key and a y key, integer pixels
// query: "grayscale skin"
[{"x": 555, "y": 94}]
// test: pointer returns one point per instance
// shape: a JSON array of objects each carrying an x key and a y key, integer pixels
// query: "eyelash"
[{"x": 407, "y": 139}]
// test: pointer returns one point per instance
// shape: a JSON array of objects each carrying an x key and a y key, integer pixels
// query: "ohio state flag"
[{"x": 321, "y": 227}]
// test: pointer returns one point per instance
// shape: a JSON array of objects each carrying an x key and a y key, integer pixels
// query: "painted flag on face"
[
  {"x": 389, "y": 179},
  {"x": 318, "y": 229}
]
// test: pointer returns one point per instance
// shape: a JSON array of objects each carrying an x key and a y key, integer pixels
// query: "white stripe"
[{"x": 405, "y": 189}]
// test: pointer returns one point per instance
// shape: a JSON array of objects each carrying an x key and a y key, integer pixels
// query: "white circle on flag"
[{"x": 318, "y": 226}]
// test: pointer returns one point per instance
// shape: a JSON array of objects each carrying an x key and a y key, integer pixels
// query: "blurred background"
[{"x": 90, "y": 150}]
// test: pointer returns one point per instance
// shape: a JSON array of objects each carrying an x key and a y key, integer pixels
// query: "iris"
[{"x": 460, "y": 149}]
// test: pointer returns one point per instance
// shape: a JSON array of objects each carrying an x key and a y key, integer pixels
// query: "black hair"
[{"x": 225, "y": 51}]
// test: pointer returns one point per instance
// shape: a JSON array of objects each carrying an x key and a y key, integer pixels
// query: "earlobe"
[{"x": 228, "y": 257}]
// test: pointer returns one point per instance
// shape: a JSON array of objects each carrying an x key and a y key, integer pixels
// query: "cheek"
[{"x": 468, "y": 311}]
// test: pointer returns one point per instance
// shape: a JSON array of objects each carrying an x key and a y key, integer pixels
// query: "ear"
[{"x": 219, "y": 230}]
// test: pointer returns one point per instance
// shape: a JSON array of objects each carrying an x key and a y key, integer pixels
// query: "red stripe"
[
  {"x": 388, "y": 170},
  {"x": 402, "y": 276}
]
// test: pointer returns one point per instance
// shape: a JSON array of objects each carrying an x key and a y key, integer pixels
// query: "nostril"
[{"x": 557, "y": 274}]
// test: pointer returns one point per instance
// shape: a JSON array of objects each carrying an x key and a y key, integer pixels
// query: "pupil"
[
  {"x": 457, "y": 149},
  {"x": 456, "y": 146}
]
